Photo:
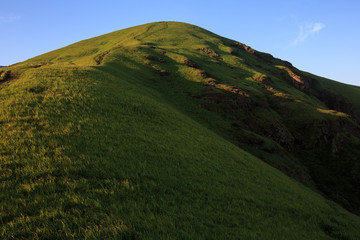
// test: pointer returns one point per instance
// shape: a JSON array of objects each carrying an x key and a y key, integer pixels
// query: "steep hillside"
[{"x": 157, "y": 131}]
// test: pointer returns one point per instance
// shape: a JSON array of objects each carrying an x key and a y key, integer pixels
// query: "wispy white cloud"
[
  {"x": 9, "y": 18},
  {"x": 308, "y": 30}
]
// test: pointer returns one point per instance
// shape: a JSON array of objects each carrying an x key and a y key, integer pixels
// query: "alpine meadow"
[{"x": 169, "y": 131}]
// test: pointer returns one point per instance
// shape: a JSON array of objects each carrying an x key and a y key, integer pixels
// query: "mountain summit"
[{"x": 166, "y": 130}]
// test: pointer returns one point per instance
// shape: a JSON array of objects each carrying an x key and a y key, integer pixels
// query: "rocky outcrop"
[
  {"x": 100, "y": 57},
  {"x": 209, "y": 52},
  {"x": 162, "y": 73},
  {"x": 5, "y": 75},
  {"x": 152, "y": 58},
  {"x": 294, "y": 79},
  {"x": 243, "y": 46},
  {"x": 261, "y": 78},
  {"x": 190, "y": 63},
  {"x": 265, "y": 57}
]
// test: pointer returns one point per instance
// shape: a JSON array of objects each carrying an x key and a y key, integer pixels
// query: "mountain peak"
[{"x": 166, "y": 130}]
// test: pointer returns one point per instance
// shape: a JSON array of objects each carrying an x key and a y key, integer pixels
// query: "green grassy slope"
[{"x": 113, "y": 137}]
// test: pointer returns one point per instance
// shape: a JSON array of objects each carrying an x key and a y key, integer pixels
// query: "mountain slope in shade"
[{"x": 158, "y": 131}]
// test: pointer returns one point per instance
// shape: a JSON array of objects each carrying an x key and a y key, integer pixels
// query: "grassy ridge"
[{"x": 118, "y": 151}]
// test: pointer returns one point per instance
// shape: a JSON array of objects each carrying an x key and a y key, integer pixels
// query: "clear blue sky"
[{"x": 321, "y": 37}]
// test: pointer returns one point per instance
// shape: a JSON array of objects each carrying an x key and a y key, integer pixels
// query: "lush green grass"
[{"x": 114, "y": 150}]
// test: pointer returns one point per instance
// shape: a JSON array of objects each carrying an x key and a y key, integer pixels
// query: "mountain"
[{"x": 166, "y": 130}]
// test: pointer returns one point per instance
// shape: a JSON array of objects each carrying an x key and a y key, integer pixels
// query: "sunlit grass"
[{"x": 332, "y": 112}]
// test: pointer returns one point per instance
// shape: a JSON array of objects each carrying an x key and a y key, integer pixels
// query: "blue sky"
[{"x": 321, "y": 37}]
